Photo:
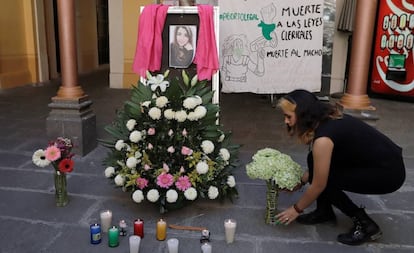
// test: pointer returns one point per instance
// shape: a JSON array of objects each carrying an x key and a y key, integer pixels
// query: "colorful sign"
[{"x": 393, "y": 59}]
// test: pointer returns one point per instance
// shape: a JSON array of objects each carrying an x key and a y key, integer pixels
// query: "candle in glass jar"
[
  {"x": 106, "y": 220},
  {"x": 230, "y": 230},
  {"x": 122, "y": 228},
  {"x": 95, "y": 230},
  {"x": 134, "y": 242},
  {"x": 161, "y": 230},
  {"x": 206, "y": 248},
  {"x": 139, "y": 228},
  {"x": 113, "y": 236}
]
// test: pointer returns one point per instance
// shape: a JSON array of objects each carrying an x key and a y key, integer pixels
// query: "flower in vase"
[{"x": 58, "y": 154}]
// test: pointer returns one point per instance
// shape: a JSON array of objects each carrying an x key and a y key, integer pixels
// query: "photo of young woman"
[{"x": 182, "y": 45}]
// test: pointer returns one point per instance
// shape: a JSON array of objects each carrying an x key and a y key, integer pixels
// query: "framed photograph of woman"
[{"x": 182, "y": 45}]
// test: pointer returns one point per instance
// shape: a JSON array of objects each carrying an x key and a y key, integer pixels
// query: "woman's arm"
[{"x": 322, "y": 153}]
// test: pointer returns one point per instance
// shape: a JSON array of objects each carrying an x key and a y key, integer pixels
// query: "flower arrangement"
[
  {"x": 167, "y": 147},
  {"x": 271, "y": 164},
  {"x": 279, "y": 171},
  {"x": 59, "y": 155}
]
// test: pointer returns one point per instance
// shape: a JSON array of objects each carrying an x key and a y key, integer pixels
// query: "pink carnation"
[
  {"x": 165, "y": 180},
  {"x": 186, "y": 150},
  {"x": 142, "y": 183},
  {"x": 183, "y": 183},
  {"x": 52, "y": 153}
]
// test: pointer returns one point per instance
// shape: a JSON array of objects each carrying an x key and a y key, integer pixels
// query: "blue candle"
[
  {"x": 95, "y": 230},
  {"x": 113, "y": 236}
]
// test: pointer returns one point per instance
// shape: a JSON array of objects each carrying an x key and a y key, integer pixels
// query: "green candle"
[{"x": 113, "y": 236}]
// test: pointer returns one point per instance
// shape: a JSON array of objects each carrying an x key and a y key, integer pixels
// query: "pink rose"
[
  {"x": 149, "y": 146},
  {"x": 171, "y": 149},
  {"x": 184, "y": 132},
  {"x": 186, "y": 150},
  {"x": 151, "y": 131}
]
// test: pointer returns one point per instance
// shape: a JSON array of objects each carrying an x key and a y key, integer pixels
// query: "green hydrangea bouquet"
[
  {"x": 167, "y": 146},
  {"x": 279, "y": 171}
]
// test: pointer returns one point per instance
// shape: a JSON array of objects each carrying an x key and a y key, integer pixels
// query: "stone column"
[
  {"x": 356, "y": 97},
  {"x": 71, "y": 114}
]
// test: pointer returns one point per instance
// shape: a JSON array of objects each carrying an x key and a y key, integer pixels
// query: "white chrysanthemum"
[
  {"x": 119, "y": 145},
  {"x": 221, "y": 138},
  {"x": 231, "y": 181},
  {"x": 154, "y": 113},
  {"x": 109, "y": 171},
  {"x": 213, "y": 192},
  {"x": 172, "y": 196},
  {"x": 119, "y": 180},
  {"x": 192, "y": 116},
  {"x": 200, "y": 111},
  {"x": 181, "y": 116},
  {"x": 225, "y": 154},
  {"x": 138, "y": 154},
  {"x": 169, "y": 114},
  {"x": 146, "y": 104},
  {"x": 202, "y": 167},
  {"x": 207, "y": 146},
  {"x": 135, "y": 136},
  {"x": 198, "y": 99},
  {"x": 138, "y": 196},
  {"x": 190, "y": 193},
  {"x": 131, "y": 124},
  {"x": 39, "y": 158},
  {"x": 131, "y": 162},
  {"x": 190, "y": 103},
  {"x": 161, "y": 102},
  {"x": 153, "y": 195}
]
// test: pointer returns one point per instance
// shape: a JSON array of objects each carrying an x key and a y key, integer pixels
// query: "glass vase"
[
  {"x": 272, "y": 195},
  {"x": 61, "y": 193}
]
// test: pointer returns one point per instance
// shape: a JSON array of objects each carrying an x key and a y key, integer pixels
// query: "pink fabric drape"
[
  {"x": 148, "y": 52},
  {"x": 206, "y": 56}
]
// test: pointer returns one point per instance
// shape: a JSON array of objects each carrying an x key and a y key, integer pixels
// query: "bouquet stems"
[
  {"x": 61, "y": 193},
  {"x": 272, "y": 196}
]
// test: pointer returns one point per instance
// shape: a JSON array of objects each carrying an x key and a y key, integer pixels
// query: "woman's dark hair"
[{"x": 310, "y": 111}]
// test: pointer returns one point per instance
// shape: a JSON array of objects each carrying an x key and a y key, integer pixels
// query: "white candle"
[
  {"x": 206, "y": 248},
  {"x": 172, "y": 245},
  {"x": 106, "y": 220},
  {"x": 230, "y": 230},
  {"x": 134, "y": 242}
]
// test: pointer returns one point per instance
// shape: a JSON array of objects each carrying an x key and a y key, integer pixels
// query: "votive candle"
[
  {"x": 161, "y": 230},
  {"x": 230, "y": 230},
  {"x": 106, "y": 220},
  {"x": 122, "y": 228},
  {"x": 95, "y": 230},
  {"x": 134, "y": 242},
  {"x": 172, "y": 245},
  {"x": 206, "y": 248},
  {"x": 113, "y": 236},
  {"x": 139, "y": 228}
]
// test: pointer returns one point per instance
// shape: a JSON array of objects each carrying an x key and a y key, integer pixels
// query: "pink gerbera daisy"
[
  {"x": 142, "y": 183},
  {"x": 183, "y": 183},
  {"x": 165, "y": 180},
  {"x": 52, "y": 153}
]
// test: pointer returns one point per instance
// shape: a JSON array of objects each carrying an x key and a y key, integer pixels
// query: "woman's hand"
[{"x": 287, "y": 216}]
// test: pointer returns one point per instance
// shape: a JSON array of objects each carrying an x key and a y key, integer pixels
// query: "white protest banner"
[{"x": 270, "y": 47}]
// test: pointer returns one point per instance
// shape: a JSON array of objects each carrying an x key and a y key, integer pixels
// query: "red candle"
[{"x": 139, "y": 228}]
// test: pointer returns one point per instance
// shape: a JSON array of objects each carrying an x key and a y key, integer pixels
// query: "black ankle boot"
[
  {"x": 317, "y": 216},
  {"x": 364, "y": 230}
]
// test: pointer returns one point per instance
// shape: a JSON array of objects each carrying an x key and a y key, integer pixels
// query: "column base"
[
  {"x": 357, "y": 102},
  {"x": 73, "y": 119},
  {"x": 360, "y": 107}
]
